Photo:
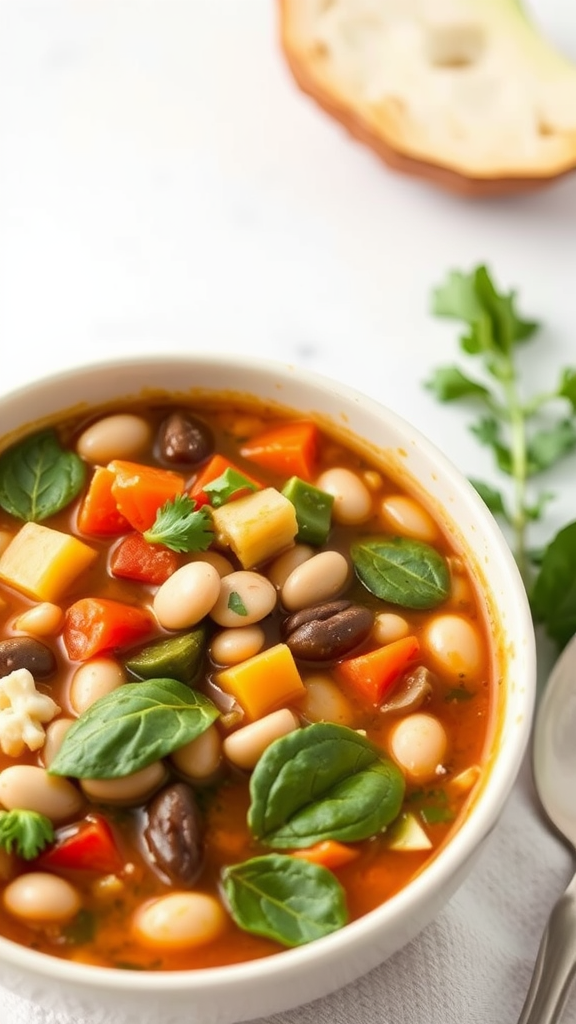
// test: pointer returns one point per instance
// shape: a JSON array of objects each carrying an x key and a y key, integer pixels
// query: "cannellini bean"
[
  {"x": 222, "y": 564},
  {"x": 180, "y": 920},
  {"x": 325, "y": 702},
  {"x": 94, "y": 679},
  {"x": 352, "y": 500},
  {"x": 55, "y": 733},
  {"x": 454, "y": 645},
  {"x": 418, "y": 744},
  {"x": 389, "y": 627},
  {"x": 121, "y": 436},
  {"x": 232, "y": 646},
  {"x": 318, "y": 579},
  {"x": 245, "y": 746},
  {"x": 128, "y": 789},
  {"x": 44, "y": 619},
  {"x": 200, "y": 759},
  {"x": 31, "y": 788},
  {"x": 187, "y": 596},
  {"x": 402, "y": 514},
  {"x": 280, "y": 569},
  {"x": 43, "y": 898},
  {"x": 245, "y": 598}
]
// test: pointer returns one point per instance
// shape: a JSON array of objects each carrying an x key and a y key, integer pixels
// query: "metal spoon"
[{"x": 554, "y": 769}]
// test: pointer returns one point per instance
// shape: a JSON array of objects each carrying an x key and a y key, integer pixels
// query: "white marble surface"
[{"x": 164, "y": 186}]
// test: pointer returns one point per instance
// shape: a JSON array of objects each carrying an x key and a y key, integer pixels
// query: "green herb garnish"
[
  {"x": 25, "y": 832},
  {"x": 236, "y": 604},
  {"x": 38, "y": 477},
  {"x": 225, "y": 486},
  {"x": 402, "y": 571},
  {"x": 179, "y": 525}
]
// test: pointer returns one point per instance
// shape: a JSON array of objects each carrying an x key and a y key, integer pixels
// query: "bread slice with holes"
[{"x": 466, "y": 93}]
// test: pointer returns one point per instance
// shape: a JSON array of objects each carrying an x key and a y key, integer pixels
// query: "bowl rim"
[{"x": 500, "y": 778}]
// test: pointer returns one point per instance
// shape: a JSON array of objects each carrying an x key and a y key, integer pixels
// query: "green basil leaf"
[
  {"x": 553, "y": 597},
  {"x": 289, "y": 900},
  {"x": 402, "y": 571},
  {"x": 322, "y": 782},
  {"x": 38, "y": 477},
  {"x": 131, "y": 727},
  {"x": 449, "y": 384},
  {"x": 491, "y": 497}
]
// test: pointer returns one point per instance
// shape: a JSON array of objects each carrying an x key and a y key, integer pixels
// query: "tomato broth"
[{"x": 253, "y": 676}]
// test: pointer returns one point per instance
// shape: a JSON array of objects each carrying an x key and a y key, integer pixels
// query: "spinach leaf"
[
  {"x": 402, "y": 571},
  {"x": 322, "y": 782},
  {"x": 38, "y": 477},
  {"x": 129, "y": 728},
  {"x": 553, "y": 596},
  {"x": 292, "y": 901}
]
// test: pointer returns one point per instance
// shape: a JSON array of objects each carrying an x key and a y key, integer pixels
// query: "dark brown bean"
[
  {"x": 411, "y": 692},
  {"x": 26, "y": 652},
  {"x": 173, "y": 833},
  {"x": 185, "y": 439},
  {"x": 328, "y": 631}
]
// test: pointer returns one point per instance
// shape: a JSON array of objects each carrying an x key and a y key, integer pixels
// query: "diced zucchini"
[
  {"x": 43, "y": 563},
  {"x": 313, "y": 510},
  {"x": 407, "y": 834},
  {"x": 174, "y": 657},
  {"x": 256, "y": 527}
]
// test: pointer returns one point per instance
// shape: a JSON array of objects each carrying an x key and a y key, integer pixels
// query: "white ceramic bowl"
[{"x": 258, "y": 989}]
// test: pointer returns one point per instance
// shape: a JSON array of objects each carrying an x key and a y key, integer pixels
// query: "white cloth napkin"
[{"x": 471, "y": 966}]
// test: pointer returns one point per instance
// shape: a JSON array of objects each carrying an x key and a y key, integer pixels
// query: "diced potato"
[
  {"x": 407, "y": 834},
  {"x": 43, "y": 563},
  {"x": 265, "y": 682},
  {"x": 256, "y": 527}
]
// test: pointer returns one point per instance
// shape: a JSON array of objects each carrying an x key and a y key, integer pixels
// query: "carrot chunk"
[
  {"x": 99, "y": 514},
  {"x": 329, "y": 853},
  {"x": 139, "y": 491},
  {"x": 289, "y": 449},
  {"x": 95, "y": 624}
]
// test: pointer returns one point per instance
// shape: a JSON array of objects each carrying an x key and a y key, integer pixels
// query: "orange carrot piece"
[
  {"x": 140, "y": 491},
  {"x": 372, "y": 674},
  {"x": 289, "y": 449},
  {"x": 329, "y": 853},
  {"x": 95, "y": 624},
  {"x": 98, "y": 514},
  {"x": 214, "y": 468}
]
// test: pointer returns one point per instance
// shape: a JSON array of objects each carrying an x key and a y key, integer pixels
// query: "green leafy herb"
[
  {"x": 38, "y": 477},
  {"x": 527, "y": 436},
  {"x": 553, "y": 595},
  {"x": 402, "y": 571},
  {"x": 81, "y": 929},
  {"x": 180, "y": 526},
  {"x": 25, "y": 832},
  {"x": 283, "y": 898},
  {"x": 236, "y": 604},
  {"x": 322, "y": 782},
  {"x": 225, "y": 486},
  {"x": 131, "y": 727}
]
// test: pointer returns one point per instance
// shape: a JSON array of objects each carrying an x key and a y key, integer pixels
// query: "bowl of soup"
[{"x": 266, "y": 680}]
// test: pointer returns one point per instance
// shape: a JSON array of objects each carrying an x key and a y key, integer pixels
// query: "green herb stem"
[{"x": 519, "y": 469}]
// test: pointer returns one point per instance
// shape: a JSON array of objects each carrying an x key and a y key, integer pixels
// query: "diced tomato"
[
  {"x": 214, "y": 468},
  {"x": 372, "y": 674},
  {"x": 95, "y": 624},
  {"x": 99, "y": 514},
  {"x": 135, "y": 559},
  {"x": 289, "y": 449},
  {"x": 140, "y": 491},
  {"x": 89, "y": 847}
]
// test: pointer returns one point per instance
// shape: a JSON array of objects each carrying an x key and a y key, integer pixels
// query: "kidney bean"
[
  {"x": 185, "y": 439},
  {"x": 328, "y": 631},
  {"x": 173, "y": 833},
  {"x": 26, "y": 652}
]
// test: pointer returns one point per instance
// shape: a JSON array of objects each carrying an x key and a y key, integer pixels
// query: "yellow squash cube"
[
  {"x": 265, "y": 682},
  {"x": 256, "y": 527},
  {"x": 43, "y": 563}
]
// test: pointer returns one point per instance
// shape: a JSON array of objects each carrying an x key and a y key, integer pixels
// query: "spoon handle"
[{"x": 555, "y": 964}]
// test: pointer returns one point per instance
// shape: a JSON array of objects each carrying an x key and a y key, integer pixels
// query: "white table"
[{"x": 164, "y": 186}]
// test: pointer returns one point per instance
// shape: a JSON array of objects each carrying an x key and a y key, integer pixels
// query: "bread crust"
[{"x": 339, "y": 108}]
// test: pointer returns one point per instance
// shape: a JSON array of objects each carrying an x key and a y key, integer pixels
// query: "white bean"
[
  {"x": 454, "y": 645},
  {"x": 187, "y": 596},
  {"x": 128, "y": 789},
  {"x": 94, "y": 679},
  {"x": 31, "y": 788},
  {"x": 389, "y": 627},
  {"x": 245, "y": 598},
  {"x": 353, "y": 501},
  {"x": 406, "y": 516},
  {"x": 232, "y": 646},
  {"x": 44, "y": 619},
  {"x": 180, "y": 920},
  {"x": 199, "y": 759},
  {"x": 41, "y": 897},
  {"x": 222, "y": 564},
  {"x": 245, "y": 746},
  {"x": 320, "y": 578},
  {"x": 121, "y": 436},
  {"x": 280, "y": 569},
  {"x": 325, "y": 702},
  {"x": 55, "y": 733},
  {"x": 418, "y": 744}
]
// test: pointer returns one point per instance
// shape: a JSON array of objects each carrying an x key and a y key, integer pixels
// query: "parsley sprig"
[
  {"x": 179, "y": 525},
  {"x": 25, "y": 832},
  {"x": 526, "y": 434}
]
